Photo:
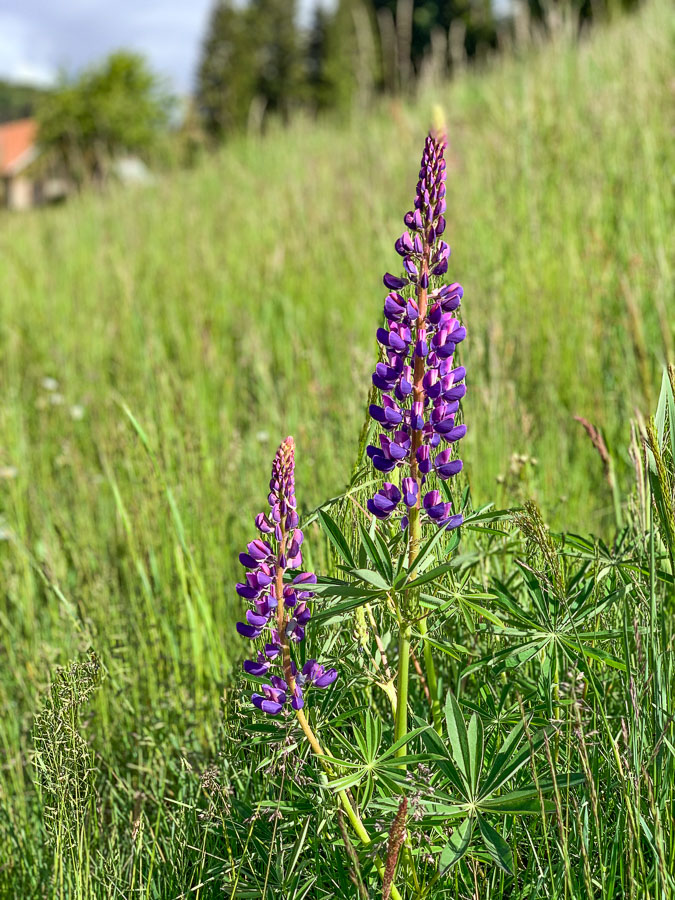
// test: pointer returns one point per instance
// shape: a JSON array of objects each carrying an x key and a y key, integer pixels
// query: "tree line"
[{"x": 257, "y": 60}]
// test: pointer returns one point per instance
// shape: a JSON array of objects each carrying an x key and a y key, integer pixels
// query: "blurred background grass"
[{"x": 232, "y": 304}]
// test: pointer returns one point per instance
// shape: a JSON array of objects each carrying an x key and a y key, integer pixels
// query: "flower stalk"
[
  {"x": 280, "y": 611},
  {"x": 420, "y": 392}
]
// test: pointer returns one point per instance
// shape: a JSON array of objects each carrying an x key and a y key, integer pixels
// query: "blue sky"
[{"x": 37, "y": 37}]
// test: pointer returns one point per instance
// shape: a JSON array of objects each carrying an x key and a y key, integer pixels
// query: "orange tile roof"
[{"x": 16, "y": 138}]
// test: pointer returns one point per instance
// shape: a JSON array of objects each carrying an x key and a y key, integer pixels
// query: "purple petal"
[
  {"x": 256, "y": 668},
  {"x": 327, "y": 678},
  {"x": 394, "y": 283},
  {"x": 248, "y": 631}
]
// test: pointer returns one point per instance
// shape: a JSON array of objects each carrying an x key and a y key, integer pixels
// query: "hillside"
[{"x": 232, "y": 304}]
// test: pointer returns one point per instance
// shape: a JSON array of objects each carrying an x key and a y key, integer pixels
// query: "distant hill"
[{"x": 17, "y": 101}]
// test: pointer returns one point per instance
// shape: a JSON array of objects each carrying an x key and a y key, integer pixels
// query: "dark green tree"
[
  {"x": 226, "y": 78},
  {"x": 18, "y": 101},
  {"x": 350, "y": 64},
  {"x": 318, "y": 87},
  {"x": 251, "y": 64},
  {"x": 277, "y": 54},
  {"x": 116, "y": 107},
  {"x": 429, "y": 15}
]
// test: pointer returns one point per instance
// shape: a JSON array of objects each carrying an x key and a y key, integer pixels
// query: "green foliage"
[
  {"x": 250, "y": 64},
  {"x": 18, "y": 101},
  {"x": 349, "y": 66},
  {"x": 116, "y": 107},
  {"x": 226, "y": 75}
]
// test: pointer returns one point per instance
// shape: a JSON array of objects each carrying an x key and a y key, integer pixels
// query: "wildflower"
[
  {"x": 279, "y": 611},
  {"x": 420, "y": 386}
]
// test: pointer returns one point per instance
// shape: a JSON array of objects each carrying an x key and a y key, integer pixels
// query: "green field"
[{"x": 224, "y": 307}]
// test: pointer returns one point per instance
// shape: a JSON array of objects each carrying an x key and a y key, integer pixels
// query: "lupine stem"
[
  {"x": 414, "y": 525},
  {"x": 401, "y": 720}
]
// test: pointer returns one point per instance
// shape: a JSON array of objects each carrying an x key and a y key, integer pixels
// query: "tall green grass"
[{"x": 189, "y": 325}]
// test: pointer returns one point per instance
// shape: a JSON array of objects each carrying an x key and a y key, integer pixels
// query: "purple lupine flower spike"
[
  {"x": 420, "y": 386},
  {"x": 280, "y": 611}
]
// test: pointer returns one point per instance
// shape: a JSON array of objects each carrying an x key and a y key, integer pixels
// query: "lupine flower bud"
[
  {"x": 283, "y": 618},
  {"x": 419, "y": 387}
]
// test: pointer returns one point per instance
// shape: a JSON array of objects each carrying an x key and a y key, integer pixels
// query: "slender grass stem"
[{"x": 432, "y": 680}]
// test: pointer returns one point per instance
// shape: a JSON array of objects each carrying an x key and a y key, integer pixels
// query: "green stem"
[
  {"x": 401, "y": 721},
  {"x": 429, "y": 666}
]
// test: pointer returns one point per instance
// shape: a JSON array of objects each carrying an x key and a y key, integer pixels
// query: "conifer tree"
[
  {"x": 276, "y": 51},
  {"x": 318, "y": 85},
  {"x": 226, "y": 79},
  {"x": 350, "y": 65}
]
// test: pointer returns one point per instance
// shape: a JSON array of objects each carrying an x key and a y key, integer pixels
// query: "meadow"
[{"x": 155, "y": 347}]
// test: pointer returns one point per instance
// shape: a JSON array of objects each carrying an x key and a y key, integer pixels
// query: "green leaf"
[
  {"x": 457, "y": 846},
  {"x": 434, "y": 744},
  {"x": 385, "y": 554},
  {"x": 496, "y": 846},
  {"x": 430, "y": 575},
  {"x": 660, "y": 417},
  {"x": 476, "y": 748},
  {"x": 459, "y": 741},
  {"x": 403, "y": 740},
  {"x": 427, "y": 548},
  {"x": 507, "y": 748},
  {"x": 372, "y": 578},
  {"x": 510, "y": 766},
  {"x": 564, "y": 781},
  {"x": 339, "y": 610},
  {"x": 372, "y": 551},
  {"x": 297, "y": 849},
  {"x": 333, "y": 587},
  {"x": 336, "y": 537},
  {"x": 671, "y": 415},
  {"x": 596, "y": 653},
  {"x": 486, "y": 514},
  {"x": 512, "y": 805},
  {"x": 341, "y": 784},
  {"x": 466, "y": 600}
]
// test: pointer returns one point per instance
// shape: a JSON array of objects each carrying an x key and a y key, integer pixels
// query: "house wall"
[{"x": 19, "y": 192}]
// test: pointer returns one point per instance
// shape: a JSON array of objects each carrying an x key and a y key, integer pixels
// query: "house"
[{"x": 24, "y": 181}]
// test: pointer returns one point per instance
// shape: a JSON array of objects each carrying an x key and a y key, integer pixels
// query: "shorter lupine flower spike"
[
  {"x": 282, "y": 619},
  {"x": 420, "y": 386}
]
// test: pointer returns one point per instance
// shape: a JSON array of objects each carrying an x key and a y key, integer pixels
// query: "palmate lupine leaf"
[
  {"x": 470, "y": 776},
  {"x": 373, "y": 766}
]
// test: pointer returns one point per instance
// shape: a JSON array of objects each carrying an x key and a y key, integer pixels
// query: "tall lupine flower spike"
[
  {"x": 280, "y": 612},
  {"x": 419, "y": 383}
]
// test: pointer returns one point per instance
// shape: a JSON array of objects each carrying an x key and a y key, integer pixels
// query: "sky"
[{"x": 39, "y": 37}]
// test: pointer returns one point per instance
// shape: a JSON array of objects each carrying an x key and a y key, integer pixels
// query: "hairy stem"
[{"x": 415, "y": 526}]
